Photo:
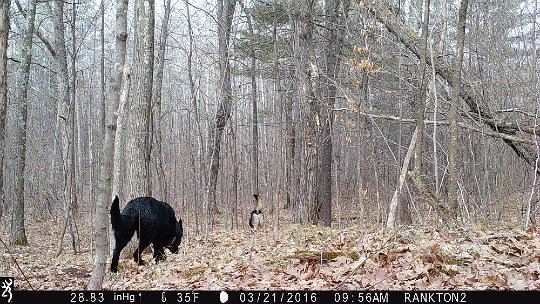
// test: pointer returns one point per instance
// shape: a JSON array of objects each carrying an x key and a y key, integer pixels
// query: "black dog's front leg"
[{"x": 159, "y": 253}]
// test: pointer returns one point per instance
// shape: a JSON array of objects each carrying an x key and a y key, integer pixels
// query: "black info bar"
[{"x": 256, "y": 297}]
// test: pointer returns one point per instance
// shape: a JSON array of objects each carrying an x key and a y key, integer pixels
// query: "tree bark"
[
  {"x": 73, "y": 135},
  {"x": 104, "y": 193},
  {"x": 421, "y": 110},
  {"x": 223, "y": 112},
  {"x": 18, "y": 234},
  {"x": 254, "y": 115},
  {"x": 4, "y": 33},
  {"x": 536, "y": 86},
  {"x": 336, "y": 15},
  {"x": 65, "y": 109},
  {"x": 68, "y": 121},
  {"x": 143, "y": 71},
  {"x": 62, "y": 79},
  {"x": 102, "y": 71},
  {"x": 156, "y": 96},
  {"x": 392, "y": 209},
  {"x": 454, "y": 143},
  {"x": 114, "y": 94},
  {"x": 286, "y": 131},
  {"x": 198, "y": 176},
  {"x": 304, "y": 204}
]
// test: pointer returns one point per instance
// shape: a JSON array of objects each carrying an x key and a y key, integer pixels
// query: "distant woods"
[{"x": 335, "y": 112}]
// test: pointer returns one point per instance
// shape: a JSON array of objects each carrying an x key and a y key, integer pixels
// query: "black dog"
[{"x": 155, "y": 223}]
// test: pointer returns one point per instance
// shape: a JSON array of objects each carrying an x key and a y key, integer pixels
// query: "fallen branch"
[
  {"x": 514, "y": 138},
  {"x": 468, "y": 93},
  {"x": 17, "y": 264}
]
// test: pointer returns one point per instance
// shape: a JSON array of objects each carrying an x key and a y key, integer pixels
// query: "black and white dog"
[{"x": 256, "y": 218}]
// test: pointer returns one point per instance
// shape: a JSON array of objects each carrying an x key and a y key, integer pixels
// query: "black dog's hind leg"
[{"x": 143, "y": 243}]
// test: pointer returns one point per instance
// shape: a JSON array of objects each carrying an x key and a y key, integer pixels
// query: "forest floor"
[{"x": 299, "y": 258}]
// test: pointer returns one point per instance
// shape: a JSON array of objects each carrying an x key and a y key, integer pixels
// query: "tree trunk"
[
  {"x": 254, "y": 115},
  {"x": 336, "y": 15},
  {"x": 122, "y": 105},
  {"x": 535, "y": 87},
  {"x": 18, "y": 234},
  {"x": 360, "y": 137},
  {"x": 223, "y": 112},
  {"x": 73, "y": 152},
  {"x": 197, "y": 174},
  {"x": 66, "y": 111},
  {"x": 121, "y": 133},
  {"x": 143, "y": 71},
  {"x": 304, "y": 205},
  {"x": 63, "y": 101},
  {"x": 4, "y": 33},
  {"x": 73, "y": 137},
  {"x": 287, "y": 105},
  {"x": 392, "y": 209},
  {"x": 454, "y": 148},
  {"x": 156, "y": 95},
  {"x": 102, "y": 72},
  {"x": 104, "y": 193},
  {"x": 421, "y": 113},
  {"x": 421, "y": 110}
]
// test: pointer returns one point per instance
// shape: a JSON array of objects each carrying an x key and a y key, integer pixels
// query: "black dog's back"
[
  {"x": 156, "y": 218},
  {"x": 153, "y": 220}
]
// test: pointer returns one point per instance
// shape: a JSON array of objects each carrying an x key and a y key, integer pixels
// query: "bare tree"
[
  {"x": 391, "y": 220},
  {"x": 536, "y": 86},
  {"x": 143, "y": 72},
  {"x": 421, "y": 110},
  {"x": 114, "y": 94},
  {"x": 157, "y": 112},
  {"x": 63, "y": 100},
  {"x": 254, "y": 114},
  {"x": 305, "y": 73},
  {"x": 109, "y": 148},
  {"x": 4, "y": 32},
  {"x": 102, "y": 69},
  {"x": 290, "y": 134},
  {"x": 336, "y": 16},
  {"x": 198, "y": 177},
  {"x": 454, "y": 144},
  {"x": 18, "y": 234},
  {"x": 420, "y": 115},
  {"x": 225, "y": 15},
  {"x": 66, "y": 116}
]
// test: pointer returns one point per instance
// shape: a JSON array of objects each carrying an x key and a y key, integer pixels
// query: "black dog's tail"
[{"x": 116, "y": 217}]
